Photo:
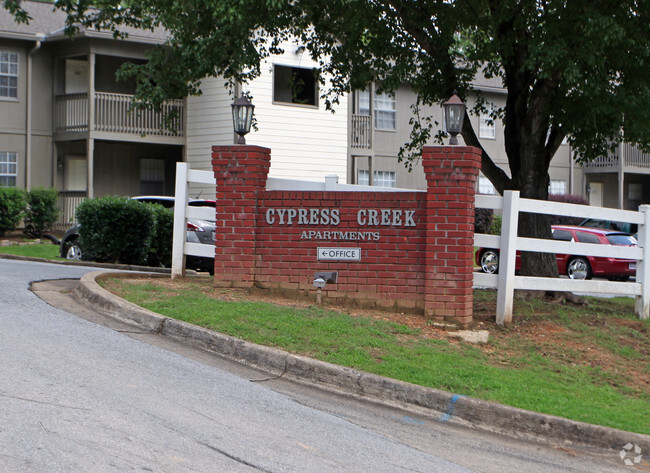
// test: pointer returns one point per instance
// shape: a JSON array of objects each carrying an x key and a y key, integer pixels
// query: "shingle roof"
[{"x": 49, "y": 21}]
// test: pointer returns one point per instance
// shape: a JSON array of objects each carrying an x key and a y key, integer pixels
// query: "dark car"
[
  {"x": 198, "y": 231},
  {"x": 577, "y": 267}
]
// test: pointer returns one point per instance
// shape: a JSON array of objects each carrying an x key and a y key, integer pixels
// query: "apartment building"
[{"x": 67, "y": 122}]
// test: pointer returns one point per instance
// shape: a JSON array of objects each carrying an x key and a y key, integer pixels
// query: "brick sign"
[{"x": 410, "y": 250}]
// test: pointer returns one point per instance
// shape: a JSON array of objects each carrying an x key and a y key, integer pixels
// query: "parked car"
[
  {"x": 198, "y": 231},
  {"x": 626, "y": 227},
  {"x": 577, "y": 267}
]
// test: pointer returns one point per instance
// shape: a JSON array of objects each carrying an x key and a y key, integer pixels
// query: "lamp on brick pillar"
[
  {"x": 242, "y": 117},
  {"x": 454, "y": 115}
]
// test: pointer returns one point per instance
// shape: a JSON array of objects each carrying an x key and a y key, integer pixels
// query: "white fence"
[{"x": 509, "y": 243}]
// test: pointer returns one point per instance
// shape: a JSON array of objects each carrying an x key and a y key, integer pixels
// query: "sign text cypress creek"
[{"x": 332, "y": 217}]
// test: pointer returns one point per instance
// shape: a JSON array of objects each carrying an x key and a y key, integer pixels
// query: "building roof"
[{"x": 47, "y": 23}]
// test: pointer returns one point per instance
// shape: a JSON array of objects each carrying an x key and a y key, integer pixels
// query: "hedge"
[
  {"x": 13, "y": 203},
  {"x": 116, "y": 229}
]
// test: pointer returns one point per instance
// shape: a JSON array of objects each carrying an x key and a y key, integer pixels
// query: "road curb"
[{"x": 444, "y": 406}]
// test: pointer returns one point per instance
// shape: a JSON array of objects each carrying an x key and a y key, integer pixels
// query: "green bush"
[
  {"x": 12, "y": 208},
  {"x": 116, "y": 229},
  {"x": 160, "y": 251},
  {"x": 495, "y": 228},
  {"x": 42, "y": 211}
]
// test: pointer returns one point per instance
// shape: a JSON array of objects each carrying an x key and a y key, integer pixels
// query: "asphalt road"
[{"x": 78, "y": 396}]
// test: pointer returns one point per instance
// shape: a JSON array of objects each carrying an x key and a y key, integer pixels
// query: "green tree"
[{"x": 572, "y": 69}]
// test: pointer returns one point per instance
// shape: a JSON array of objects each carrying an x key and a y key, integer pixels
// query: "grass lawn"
[
  {"x": 589, "y": 363},
  {"x": 36, "y": 250}
]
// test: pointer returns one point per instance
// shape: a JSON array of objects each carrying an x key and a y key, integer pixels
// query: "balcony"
[
  {"x": 113, "y": 116},
  {"x": 360, "y": 132},
  {"x": 629, "y": 156}
]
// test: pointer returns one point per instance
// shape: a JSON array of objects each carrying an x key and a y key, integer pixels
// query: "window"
[
  {"x": 385, "y": 178},
  {"x": 384, "y": 105},
  {"x": 152, "y": 176},
  {"x": 487, "y": 126},
  {"x": 8, "y": 74},
  {"x": 295, "y": 85},
  {"x": 485, "y": 186},
  {"x": 363, "y": 177},
  {"x": 381, "y": 178},
  {"x": 562, "y": 235},
  {"x": 8, "y": 169},
  {"x": 584, "y": 237},
  {"x": 557, "y": 187}
]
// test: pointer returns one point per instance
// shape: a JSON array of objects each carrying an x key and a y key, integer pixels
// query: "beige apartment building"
[{"x": 67, "y": 122}]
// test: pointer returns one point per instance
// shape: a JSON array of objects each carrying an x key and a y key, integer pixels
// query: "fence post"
[
  {"x": 507, "y": 257},
  {"x": 180, "y": 222},
  {"x": 642, "y": 268}
]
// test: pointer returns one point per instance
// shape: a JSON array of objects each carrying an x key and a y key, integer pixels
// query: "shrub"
[
  {"x": 483, "y": 220},
  {"x": 570, "y": 199},
  {"x": 116, "y": 229},
  {"x": 42, "y": 211},
  {"x": 12, "y": 208},
  {"x": 495, "y": 228},
  {"x": 160, "y": 251}
]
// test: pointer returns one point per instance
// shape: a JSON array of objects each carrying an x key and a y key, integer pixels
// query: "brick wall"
[{"x": 415, "y": 247}]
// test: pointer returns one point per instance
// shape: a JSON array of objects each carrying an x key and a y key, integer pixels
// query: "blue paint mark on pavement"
[{"x": 450, "y": 409}]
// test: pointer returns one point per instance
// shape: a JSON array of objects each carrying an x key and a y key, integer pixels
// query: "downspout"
[{"x": 28, "y": 116}]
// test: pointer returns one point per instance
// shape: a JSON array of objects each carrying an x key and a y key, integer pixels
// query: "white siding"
[{"x": 306, "y": 142}]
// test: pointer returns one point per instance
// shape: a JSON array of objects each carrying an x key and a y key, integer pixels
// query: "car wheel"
[
  {"x": 578, "y": 268},
  {"x": 490, "y": 262},
  {"x": 73, "y": 252}
]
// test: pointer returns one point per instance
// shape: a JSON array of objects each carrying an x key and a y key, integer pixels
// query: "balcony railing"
[
  {"x": 632, "y": 157},
  {"x": 68, "y": 202},
  {"x": 113, "y": 114},
  {"x": 361, "y": 132}
]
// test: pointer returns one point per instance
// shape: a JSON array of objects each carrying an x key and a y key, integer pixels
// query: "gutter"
[{"x": 28, "y": 102}]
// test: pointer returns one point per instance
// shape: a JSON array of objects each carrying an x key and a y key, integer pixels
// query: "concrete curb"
[
  {"x": 90, "y": 264},
  {"x": 446, "y": 407}
]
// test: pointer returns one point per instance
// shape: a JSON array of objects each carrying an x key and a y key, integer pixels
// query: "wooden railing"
[
  {"x": 71, "y": 113},
  {"x": 68, "y": 202},
  {"x": 114, "y": 113},
  {"x": 633, "y": 156},
  {"x": 361, "y": 132}
]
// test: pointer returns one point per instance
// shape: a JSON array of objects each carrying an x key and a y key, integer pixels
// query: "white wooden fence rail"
[{"x": 509, "y": 243}]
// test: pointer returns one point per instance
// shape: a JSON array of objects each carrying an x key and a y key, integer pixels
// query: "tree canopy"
[{"x": 575, "y": 70}]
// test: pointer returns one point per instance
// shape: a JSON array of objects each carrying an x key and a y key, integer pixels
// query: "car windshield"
[{"x": 621, "y": 239}]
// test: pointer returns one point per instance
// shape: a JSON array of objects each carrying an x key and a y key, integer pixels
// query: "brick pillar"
[
  {"x": 451, "y": 173},
  {"x": 241, "y": 172}
]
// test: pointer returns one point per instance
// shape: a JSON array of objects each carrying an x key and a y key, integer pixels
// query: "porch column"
[
  {"x": 90, "y": 151},
  {"x": 451, "y": 173},
  {"x": 90, "y": 158},
  {"x": 240, "y": 172},
  {"x": 621, "y": 176}
]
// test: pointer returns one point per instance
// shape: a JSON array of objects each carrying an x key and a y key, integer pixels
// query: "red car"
[{"x": 577, "y": 267}]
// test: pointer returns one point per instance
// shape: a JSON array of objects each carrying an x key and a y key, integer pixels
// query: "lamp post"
[
  {"x": 242, "y": 117},
  {"x": 454, "y": 115}
]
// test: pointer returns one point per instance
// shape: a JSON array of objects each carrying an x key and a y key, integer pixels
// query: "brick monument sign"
[{"x": 405, "y": 250}]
